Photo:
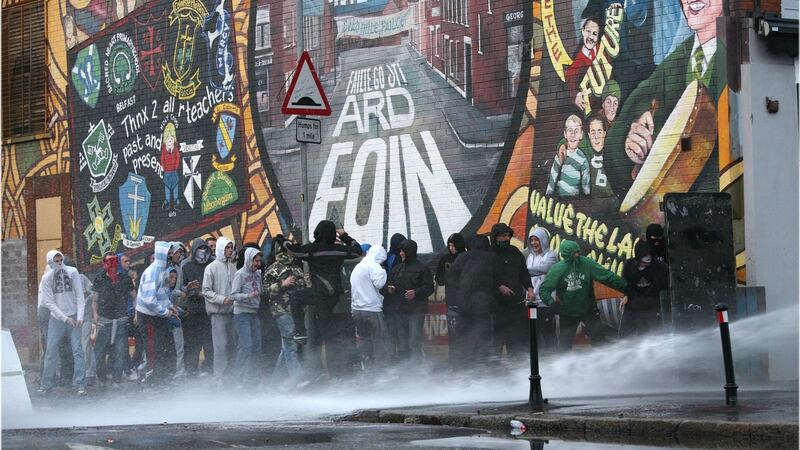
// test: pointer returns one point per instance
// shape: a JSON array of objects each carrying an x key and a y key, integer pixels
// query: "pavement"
[{"x": 763, "y": 418}]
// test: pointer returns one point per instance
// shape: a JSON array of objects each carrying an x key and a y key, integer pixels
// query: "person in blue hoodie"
[
  {"x": 155, "y": 307},
  {"x": 246, "y": 295}
]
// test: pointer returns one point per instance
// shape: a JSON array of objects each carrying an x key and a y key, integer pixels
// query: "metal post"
[
  {"x": 730, "y": 380},
  {"x": 535, "y": 393},
  {"x": 303, "y": 146}
]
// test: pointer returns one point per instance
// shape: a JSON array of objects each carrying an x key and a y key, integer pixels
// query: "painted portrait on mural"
[
  {"x": 425, "y": 109},
  {"x": 626, "y": 110}
]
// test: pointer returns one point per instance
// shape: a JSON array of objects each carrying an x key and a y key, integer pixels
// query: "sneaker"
[
  {"x": 133, "y": 375},
  {"x": 43, "y": 391},
  {"x": 81, "y": 392}
]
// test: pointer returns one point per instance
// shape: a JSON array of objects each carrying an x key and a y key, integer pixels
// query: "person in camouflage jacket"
[{"x": 282, "y": 280}]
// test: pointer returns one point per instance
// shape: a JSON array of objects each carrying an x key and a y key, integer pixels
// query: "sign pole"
[
  {"x": 303, "y": 146},
  {"x": 304, "y": 192}
]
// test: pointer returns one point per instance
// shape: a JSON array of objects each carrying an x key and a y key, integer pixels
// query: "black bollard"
[
  {"x": 730, "y": 379},
  {"x": 535, "y": 394}
]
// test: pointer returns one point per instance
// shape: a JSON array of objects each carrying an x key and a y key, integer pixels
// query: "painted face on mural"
[
  {"x": 597, "y": 135},
  {"x": 610, "y": 106},
  {"x": 573, "y": 132},
  {"x": 591, "y": 33},
  {"x": 701, "y": 16}
]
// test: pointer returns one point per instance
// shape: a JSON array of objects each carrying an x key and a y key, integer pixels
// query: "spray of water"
[{"x": 635, "y": 366}]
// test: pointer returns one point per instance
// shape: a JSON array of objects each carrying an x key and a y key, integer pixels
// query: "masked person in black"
[
  {"x": 473, "y": 283},
  {"x": 514, "y": 287},
  {"x": 324, "y": 257},
  {"x": 655, "y": 237},
  {"x": 408, "y": 287},
  {"x": 455, "y": 247},
  {"x": 196, "y": 324},
  {"x": 646, "y": 276}
]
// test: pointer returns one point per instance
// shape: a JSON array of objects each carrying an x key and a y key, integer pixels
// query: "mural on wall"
[
  {"x": 160, "y": 152},
  {"x": 419, "y": 121},
  {"x": 447, "y": 116},
  {"x": 79, "y": 21},
  {"x": 447, "y": 122}
]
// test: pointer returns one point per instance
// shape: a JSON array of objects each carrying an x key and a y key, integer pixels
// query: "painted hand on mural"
[{"x": 640, "y": 138}]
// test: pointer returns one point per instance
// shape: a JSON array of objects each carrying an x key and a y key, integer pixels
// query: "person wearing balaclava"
[
  {"x": 246, "y": 295},
  {"x": 217, "y": 283},
  {"x": 325, "y": 257},
  {"x": 389, "y": 308},
  {"x": 646, "y": 276},
  {"x": 62, "y": 293},
  {"x": 655, "y": 237},
  {"x": 510, "y": 317},
  {"x": 196, "y": 324},
  {"x": 473, "y": 281},
  {"x": 568, "y": 287},
  {"x": 408, "y": 286},
  {"x": 155, "y": 308},
  {"x": 111, "y": 306},
  {"x": 393, "y": 254},
  {"x": 455, "y": 247},
  {"x": 539, "y": 258}
]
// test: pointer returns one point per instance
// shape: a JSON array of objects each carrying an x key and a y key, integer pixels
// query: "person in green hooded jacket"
[{"x": 571, "y": 281}]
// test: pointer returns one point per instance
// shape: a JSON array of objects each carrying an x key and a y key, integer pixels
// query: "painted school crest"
[
  {"x": 218, "y": 32},
  {"x": 86, "y": 75},
  {"x": 181, "y": 77},
  {"x": 98, "y": 157},
  {"x": 134, "y": 203},
  {"x": 225, "y": 118},
  {"x": 150, "y": 31}
]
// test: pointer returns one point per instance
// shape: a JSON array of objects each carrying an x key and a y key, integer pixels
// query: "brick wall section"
[
  {"x": 746, "y": 7},
  {"x": 15, "y": 279}
]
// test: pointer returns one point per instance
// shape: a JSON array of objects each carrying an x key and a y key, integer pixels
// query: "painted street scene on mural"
[{"x": 536, "y": 224}]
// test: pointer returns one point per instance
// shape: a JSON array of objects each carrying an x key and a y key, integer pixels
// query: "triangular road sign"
[{"x": 305, "y": 94}]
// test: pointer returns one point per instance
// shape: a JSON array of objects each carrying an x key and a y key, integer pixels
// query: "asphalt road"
[{"x": 287, "y": 435}]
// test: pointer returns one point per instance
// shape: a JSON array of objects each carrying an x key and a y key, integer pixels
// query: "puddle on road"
[{"x": 498, "y": 443}]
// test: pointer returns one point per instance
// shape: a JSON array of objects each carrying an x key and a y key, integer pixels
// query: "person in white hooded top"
[
  {"x": 154, "y": 305},
  {"x": 246, "y": 294},
  {"x": 217, "y": 284},
  {"x": 366, "y": 281},
  {"x": 539, "y": 258},
  {"x": 62, "y": 293}
]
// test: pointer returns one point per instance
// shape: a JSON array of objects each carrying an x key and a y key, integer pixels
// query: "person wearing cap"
[
  {"x": 568, "y": 287},
  {"x": 646, "y": 276}
]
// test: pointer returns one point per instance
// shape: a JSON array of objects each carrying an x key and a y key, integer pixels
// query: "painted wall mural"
[
  {"x": 448, "y": 115},
  {"x": 71, "y": 23},
  {"x": 573, "y": 115},
  {"x": 157, "y": 127}
]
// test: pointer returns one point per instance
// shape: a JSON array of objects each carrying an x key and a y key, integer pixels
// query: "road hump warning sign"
[{"x": 305, "y": 94}]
